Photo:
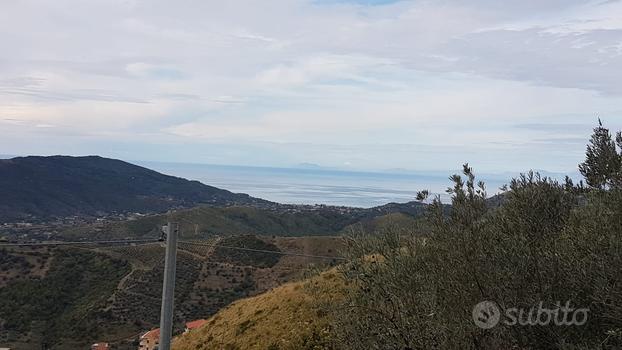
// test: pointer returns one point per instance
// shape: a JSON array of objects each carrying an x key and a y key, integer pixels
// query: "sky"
[{"x": 360, "y": 85}]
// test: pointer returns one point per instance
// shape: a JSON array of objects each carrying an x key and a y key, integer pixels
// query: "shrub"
[{"x": 544, "y": 244}]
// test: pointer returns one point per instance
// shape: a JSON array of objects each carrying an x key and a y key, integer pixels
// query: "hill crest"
[{"x": 59, "y": 186}]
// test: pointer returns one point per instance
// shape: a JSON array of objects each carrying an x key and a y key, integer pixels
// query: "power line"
[
  {"x": 251, "y": 249},
  {"x": 266, "y": 251},
  {"x": 138, "y": 241},
  {"x": 43, "y": 244}
]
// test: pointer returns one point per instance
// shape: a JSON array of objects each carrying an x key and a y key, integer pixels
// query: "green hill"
[
  {"x": 205, "y": 221},
  {"x": 58, "y": 186}
]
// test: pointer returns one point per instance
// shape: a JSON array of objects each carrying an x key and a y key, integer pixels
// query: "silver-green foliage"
[{"x": 547, "y": 242}]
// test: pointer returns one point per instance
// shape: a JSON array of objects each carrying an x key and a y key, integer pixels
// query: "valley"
[{"x": 115, "y": 295}]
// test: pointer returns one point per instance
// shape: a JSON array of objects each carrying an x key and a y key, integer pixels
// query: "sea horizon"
[
  {"x": 310, "y": 184},
  {"x": 327, "y": 186}
]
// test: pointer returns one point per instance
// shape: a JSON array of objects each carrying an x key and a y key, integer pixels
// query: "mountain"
[{"x": 57, "y": 186}]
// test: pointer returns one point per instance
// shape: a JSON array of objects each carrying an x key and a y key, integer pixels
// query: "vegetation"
[
  {"x": 76, "y": 286},
  {"x": 10, "y": 261},
  {"x": 20, "y": 264},
  {"x": 384, "y": 222},
  {"x": 65, "y": 186},
  {"x": 246, "y": 258},
  {"x": 202, "y": 222},
  {"x": 545, "y": 245},
  {"x": 289, "y": 317},
  {"x": 410, "y": 284},
  {"x": 69, "y": 298},
  {"x": 602, "y": 168}
]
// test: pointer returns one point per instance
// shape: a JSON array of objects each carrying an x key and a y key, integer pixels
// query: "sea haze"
[{"x": 314, "y": 186}]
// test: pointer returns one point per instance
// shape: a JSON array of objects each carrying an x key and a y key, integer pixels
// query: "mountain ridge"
[{"x": 58, "y": 186}]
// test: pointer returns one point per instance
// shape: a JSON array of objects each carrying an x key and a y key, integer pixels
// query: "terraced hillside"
[{"x": 126, "y": 300}]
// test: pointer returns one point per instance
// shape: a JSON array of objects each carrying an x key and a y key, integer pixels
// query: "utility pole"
[{"x": 168, "y": 289}]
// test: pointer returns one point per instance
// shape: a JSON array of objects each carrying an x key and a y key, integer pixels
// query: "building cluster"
[
  {"x": 36, "y": 229},
  {"x": 150, "y": 340}
]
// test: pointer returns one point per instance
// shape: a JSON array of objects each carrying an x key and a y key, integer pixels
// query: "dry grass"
[{"x": 291, "y": 316}]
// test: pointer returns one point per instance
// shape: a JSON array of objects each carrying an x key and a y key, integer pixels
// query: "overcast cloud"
[{"x": 505, "y": 85}]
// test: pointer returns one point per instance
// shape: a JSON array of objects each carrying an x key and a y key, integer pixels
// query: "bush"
[{"x": 546, "y": 244}]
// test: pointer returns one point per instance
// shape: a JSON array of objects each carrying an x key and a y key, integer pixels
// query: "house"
[
  {"x": 194, "y": 325},
  {"x": 150, "y": 340},
  {"x": 100, "y": 346}
]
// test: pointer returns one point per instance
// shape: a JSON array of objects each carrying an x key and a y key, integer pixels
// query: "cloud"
[
  {"x": 477, "y": 76},
  {"x": 153, "y": 71},
  {"x": 569, "y": 60},
  {"x": 321, "y": 69}
]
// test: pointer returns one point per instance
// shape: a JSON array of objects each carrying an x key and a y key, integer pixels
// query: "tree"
[
  {"x": 602, "y": 167},
  {"x": 415, "y": 288}
]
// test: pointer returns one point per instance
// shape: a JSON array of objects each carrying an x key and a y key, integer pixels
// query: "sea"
[{"x": 318, "y": 185}]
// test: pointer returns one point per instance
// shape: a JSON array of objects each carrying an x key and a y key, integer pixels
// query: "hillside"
[
  {"x": 58, "y": 186},
  {"x": 384, "y": 222},
  {"x": 275, "y": 220},
  {"x": 207, "y": 221},
  {"x": 119, "y": 288},
  {"x": 289, "y": 317},
  {"x": 50, "y": 289}
]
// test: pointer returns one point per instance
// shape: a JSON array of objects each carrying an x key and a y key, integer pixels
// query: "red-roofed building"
[
  {"x": 100, "y": 346},
  {"x": 194, "y": 325},
  {"x": 150, "y": 340}
]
